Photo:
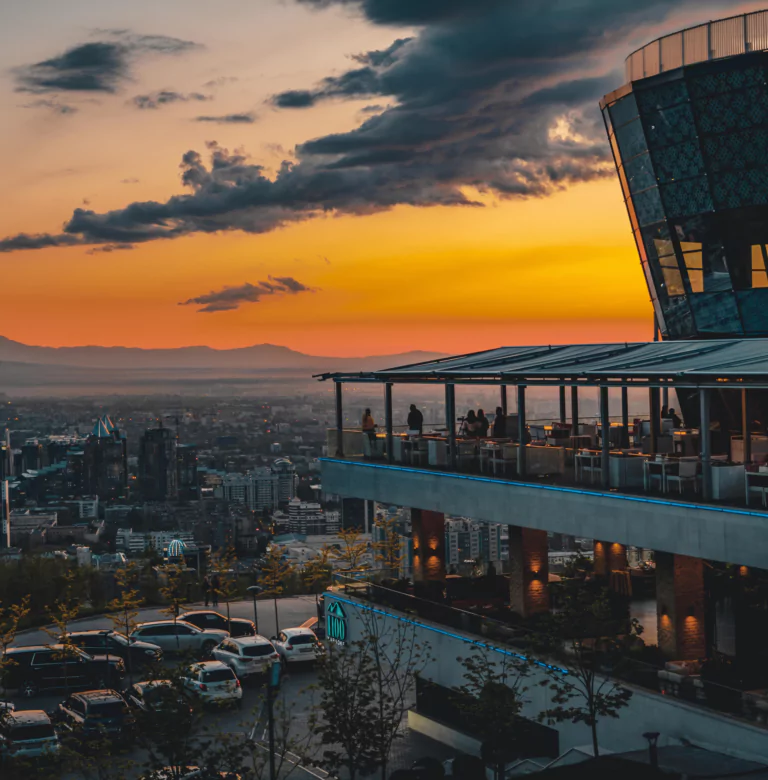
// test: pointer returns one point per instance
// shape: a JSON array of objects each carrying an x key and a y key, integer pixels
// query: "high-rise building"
[
  {"x": 285, "y": 473},
  {"x": 186, "y": 459},
  {"x": 468, "y": 541},
  {"x": 261, "y": 489},
  {"x": 308, "y": 519},
  {"x": 158, "y": 468},
  {"x": 105, "y": 462}
]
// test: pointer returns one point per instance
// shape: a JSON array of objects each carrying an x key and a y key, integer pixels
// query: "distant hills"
[{"x": 259, "y": 358}]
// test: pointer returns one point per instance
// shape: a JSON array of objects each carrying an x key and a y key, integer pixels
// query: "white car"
[
  {"x": 298, "y": 645},
  {"x": 247, "y": 655},
  {"x": 27, "y": 734},
  {"x": 213, "y": 682},
  {"x": 180, "y": 637}
]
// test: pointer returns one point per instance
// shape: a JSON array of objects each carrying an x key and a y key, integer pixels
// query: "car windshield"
[
  {"x": 218, "y": 675},
  {"x": 106, "y": 709},
  {"x": 254, "y": 651},
  {"x": 119, "y": 638},
  {"x": 301, "y": 639},
  {"x": 157, "y": 693},
  {"x": 32, "y": 731}
]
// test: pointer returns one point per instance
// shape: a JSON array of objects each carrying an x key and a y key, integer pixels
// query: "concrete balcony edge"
[{"x": 713, "y": 532}]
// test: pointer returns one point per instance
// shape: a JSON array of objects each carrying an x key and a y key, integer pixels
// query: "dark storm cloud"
[
  {"x": 109, "y": 248},
  {"x": 164, "y": 97},
  {"x": 246, "y": 118},
  {"x": 96, "y": 66},
  {"x": 495, "y": 96},
  {"x": 231, "y": 298}
]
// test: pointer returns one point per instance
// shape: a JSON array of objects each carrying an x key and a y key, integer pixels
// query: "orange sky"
[{"x": 555, "y": 269}]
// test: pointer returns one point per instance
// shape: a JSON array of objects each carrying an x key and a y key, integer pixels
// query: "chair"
[
  {"x": 655, "y": 471},
  {"x": 466, "y": 452},
  {"x": 757, "y": 485},
  {"x": 420, "y": 453},
  {"x": 688, "y": 471},
  {"x": 504, "y": 457}
]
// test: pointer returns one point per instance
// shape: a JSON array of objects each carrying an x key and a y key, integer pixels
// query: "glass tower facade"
[{"x": 691, "y": 150}]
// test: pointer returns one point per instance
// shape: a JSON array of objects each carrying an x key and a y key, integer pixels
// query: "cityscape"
[{"x": 451, "y": 486}]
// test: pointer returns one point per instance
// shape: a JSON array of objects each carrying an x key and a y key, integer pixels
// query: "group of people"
[
  {"x": 211, "y": 588},
  {"x": 415, "y": 422},
  {"x": 476, "y": 425}
]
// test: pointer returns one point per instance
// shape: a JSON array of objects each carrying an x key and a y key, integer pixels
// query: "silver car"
[
  {"x": 27, "y": 734},
  {"x": 247, "y": 655},
  {"x": 180, "y": 637}
]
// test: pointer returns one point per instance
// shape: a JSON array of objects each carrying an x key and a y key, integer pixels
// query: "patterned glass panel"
[
  {"x": 744, "y": 188},
  {"x": 669, "y": 126},
  {"x": 639, "y": 173},
  {"x": 716, "y": 313},
  {"x": 726, "y": 80},
  {"x": 733, "y": 111},
  {"x": 753, "y": 305},
  {"x": 677, "y": 315},
  {"x": 662, "y": 96},
  {"x": 623, "y": 110},
  {"x": 648, "y": 206},
  {"x": 656, "y": 238},
  {"x": 736, "y": 151},
  {"x": 631, "y": 140},
  {"x": 678, "y": 162},
  {"x": 690, "y": 196}
]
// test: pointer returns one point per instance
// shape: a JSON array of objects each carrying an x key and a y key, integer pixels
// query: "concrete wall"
[
  {"x": 673, "y": 718},
  {"x": 709, "y": 532}
]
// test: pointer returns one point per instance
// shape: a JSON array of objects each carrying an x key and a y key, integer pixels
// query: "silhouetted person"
[
  {"x": 482, "y": 424},
  {"x": 675, "y": 417},
  {"x": 206, "y": 589},
  {"x": 469, "y": 428},
  {"x": 369, "y": 425},
  {"x": 415, "y": 420},
  {"x": 215, "y": 586},
  {"x": 499, "y": 424}
]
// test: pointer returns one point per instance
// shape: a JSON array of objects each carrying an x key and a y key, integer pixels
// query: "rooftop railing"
[{"x": 710, "y": 41}]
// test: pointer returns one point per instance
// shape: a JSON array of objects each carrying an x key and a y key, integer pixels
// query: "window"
[
  {"x": 107, "y": 709},
  {"x": 695, "y": 270},
  {"x": 759, "y": 273},
  {"x": 305, "y": 639},
  {"x": 183, "y": 630},
  {"x": 42, "y": 659},
  {"x": 254, "y": 651},
  {"x": 32, "y": 731},
  {"x": 218, "y": 675},
  {"x": 673, "y": 279}
]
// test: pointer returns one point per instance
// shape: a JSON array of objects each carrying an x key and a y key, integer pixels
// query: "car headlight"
[{"x": 151, "y": 653}]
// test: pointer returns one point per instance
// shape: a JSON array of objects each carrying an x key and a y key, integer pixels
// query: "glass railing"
[{"x": 699, "y": 683}]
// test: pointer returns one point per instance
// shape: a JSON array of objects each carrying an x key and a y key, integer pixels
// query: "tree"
[
  {"x": 64, "y": 610},
  {"x": 10, "y": 618},
  {"x": 275, "y": 571},
  {"x": 224, "y": 564},
  {"x": 388, "y": 551},
  {"x": 172, "y": 591},
  {"x": 124, "y": 609},
  {"x": 316, "y": 573},
  {"x": 352, "y": 551},
  {"x": 491, "y": 697},
  {"x": 586, "y": 629}
]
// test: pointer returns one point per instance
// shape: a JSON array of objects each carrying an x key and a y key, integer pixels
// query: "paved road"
[{"x": 291, "y": 612}]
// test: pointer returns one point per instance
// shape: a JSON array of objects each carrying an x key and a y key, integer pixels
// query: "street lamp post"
[{"x": 254, "y": 590}]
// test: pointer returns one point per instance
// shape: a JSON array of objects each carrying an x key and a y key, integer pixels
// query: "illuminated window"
[
  {"x": 759, "y": 273},
  {"x": 695, "y": 271},
  {"x": 673, "y": 279}
]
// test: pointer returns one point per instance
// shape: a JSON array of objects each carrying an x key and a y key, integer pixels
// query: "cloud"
[
  {"x": 58, "y": 108},
  {"x": 95, "y": 66},
  {"x": 246, "y": 118},
  {"x": 220, "y": 81},
  {"x": 109, "y": 248},
  {"x": 164, "y": 97},
  {"x": 231, "y": 298},
  {"x": 496, "y": 96}
]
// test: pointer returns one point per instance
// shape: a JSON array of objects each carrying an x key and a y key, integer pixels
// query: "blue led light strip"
[
  {"x": 443, "y": 632},
  {"x": 554, "y": 488}
]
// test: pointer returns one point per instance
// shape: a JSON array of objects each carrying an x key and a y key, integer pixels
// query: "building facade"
[{"x": 158, "y": 468}]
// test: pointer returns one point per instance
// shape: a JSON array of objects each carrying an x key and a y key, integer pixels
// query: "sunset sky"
[{"x": 359, "y": 176}]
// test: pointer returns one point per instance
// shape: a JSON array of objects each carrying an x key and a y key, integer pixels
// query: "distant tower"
[
  {"x": 158, "y": 465},
  {"x": 105, "y": 462}
]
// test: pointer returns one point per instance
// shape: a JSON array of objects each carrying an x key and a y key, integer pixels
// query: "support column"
[
  {"x": 574, "y": 410},
  {"x": 529, "y": 571},
  {"x": 706, "y": 444},
  {"x": 680, "y": 606},
  {"x": 522, "y": 433},
  {"x": 605, "y": 424},
  {"x": 562, "y": 405},
  {"x": 450, "y": 422},
  {"x": 746, "y": 425},
  {"x": 609, "y": 557},
  {"x": 655, "y": 415},
  {"x": 504, "y": 406},
  {"x": 388, "y": 420},
  {"x": 625, "y": 416},
  {"x": 428, "y": 529},
  {"x": 339, "y": 422}
]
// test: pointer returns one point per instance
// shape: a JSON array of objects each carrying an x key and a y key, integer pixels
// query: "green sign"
[{"x": 336, "y": 622}]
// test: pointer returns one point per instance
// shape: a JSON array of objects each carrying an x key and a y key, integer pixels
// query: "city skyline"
[{"x": 357, "y": 254}]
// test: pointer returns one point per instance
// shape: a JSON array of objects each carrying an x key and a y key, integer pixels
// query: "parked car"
[
  {"x": 150, "y": 696},
  {"x": 213, "y": 682},
  {"x": 27, "y": 734},
  {"x": 247, "y": 656},
  {"x": 135, "y": 653},
  {"x": 297, "y": 645},
  {"x": 180, "y": 637},
  {"x": 34, "y": 669},
  {"x": 208, "y": 618},
  {"x": 96, "y": 713}
]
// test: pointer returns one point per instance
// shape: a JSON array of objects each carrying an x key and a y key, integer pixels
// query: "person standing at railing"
[
  {"x": 483, "y": 424},
  {"x": 499, "y": 424},
  {"x": 415, "y": 420},
  {"x": 369, "y": 425}
]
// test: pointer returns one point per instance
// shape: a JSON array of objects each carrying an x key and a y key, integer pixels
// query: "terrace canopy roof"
[{"x": 710, "y": 363}]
